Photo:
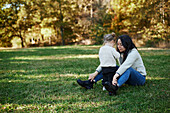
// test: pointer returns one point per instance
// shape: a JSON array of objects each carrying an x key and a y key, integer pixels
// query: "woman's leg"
[
  {"x": 98, "y": 77},
  {"x": 132, "y": 77}
]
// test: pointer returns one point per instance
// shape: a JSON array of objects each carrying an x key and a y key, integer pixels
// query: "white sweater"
[
  {"x": 108, "y": 56},
  {"x": 133, "y": 60}
]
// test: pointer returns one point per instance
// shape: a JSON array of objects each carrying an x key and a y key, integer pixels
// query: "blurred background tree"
[{"x": 62, "y": 22}]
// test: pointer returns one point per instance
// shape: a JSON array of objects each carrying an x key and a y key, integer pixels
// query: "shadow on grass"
[
  {"x": 62, "y": 85},
  {"x": 39, "y": 67},
  {"x": 50, "y": 84},
  {"x": 65, "y": 93},
  {"x": 46, "y": 52}
]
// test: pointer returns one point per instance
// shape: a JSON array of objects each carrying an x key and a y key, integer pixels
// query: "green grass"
[{"x": 44, "y": 80}]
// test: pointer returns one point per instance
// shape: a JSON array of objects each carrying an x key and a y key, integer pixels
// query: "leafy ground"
[{"x": 44, "y": 80}]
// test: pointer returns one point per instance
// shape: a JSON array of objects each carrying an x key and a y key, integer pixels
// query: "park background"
[
  {"x": 27, "y": 23},
  {"x": 46, "y": 45}
]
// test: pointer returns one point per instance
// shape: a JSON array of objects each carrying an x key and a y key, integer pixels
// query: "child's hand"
[{"x": 93, "y": 75}]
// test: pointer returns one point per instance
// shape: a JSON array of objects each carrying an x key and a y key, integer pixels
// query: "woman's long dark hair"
[{"x": 127, "y": 44}]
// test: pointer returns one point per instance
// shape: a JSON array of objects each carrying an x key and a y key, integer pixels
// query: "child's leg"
[
  {"x": 105, "y": 78},
  {"x": 110, "y": 77}
]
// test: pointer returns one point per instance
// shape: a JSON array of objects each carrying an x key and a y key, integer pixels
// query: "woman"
[{"x": 131, "y": 71}]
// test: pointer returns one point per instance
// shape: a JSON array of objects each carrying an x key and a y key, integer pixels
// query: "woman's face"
[{"x": 120, "y": 46}]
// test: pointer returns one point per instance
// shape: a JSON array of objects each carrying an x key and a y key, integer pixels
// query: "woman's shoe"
[
  {"x": 110, "y": 88},
  {"x": 86, "y": 84},
  {"x": 112, "y": 94}
]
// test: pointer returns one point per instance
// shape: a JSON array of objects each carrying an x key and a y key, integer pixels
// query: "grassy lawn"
[{"x": 44, "y": 80}]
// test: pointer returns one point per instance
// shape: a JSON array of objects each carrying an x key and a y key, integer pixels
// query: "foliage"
[
  {"x": 101, "y": 23},
  {"x": 44, "y": 80},
  {"x": 16, "y": 19},
  {"x": 75, "y": 20}
]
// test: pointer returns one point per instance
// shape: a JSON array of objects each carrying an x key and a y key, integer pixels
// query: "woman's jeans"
[{"x": 130, "y": 76}]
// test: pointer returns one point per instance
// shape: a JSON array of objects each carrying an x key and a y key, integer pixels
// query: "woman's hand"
[
  {"x": 114, "y": 81},
  {"x": 93, "y": 75}
]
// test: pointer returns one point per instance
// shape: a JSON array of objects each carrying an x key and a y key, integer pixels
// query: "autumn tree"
[
  {"x": 62, "y": 17},
  {"x": 17, "y": 19},
  {"x": 145, "y": 20},
  {"x": 71, "y": 21}
]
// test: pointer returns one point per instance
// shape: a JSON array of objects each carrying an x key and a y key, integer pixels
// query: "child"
[{"x": 107, "y": 57}]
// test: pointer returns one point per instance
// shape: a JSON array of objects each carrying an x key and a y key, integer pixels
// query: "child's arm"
[{"x": 116, "y": 54}]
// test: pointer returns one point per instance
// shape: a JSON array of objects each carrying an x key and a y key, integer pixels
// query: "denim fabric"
[
  {"x": 98, "y": 77},
  {"x": 130, "y": 76}
]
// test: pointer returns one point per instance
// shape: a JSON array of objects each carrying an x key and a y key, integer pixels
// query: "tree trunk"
[
  {"x": 42, "y": 36},
  {"x": 63, "y": 41},
  {"x": 61, "y": 27},
  {"x": 22, "y": 40},
  {"x": 91, "y": 10}
]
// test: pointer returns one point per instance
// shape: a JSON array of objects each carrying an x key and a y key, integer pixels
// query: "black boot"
[
  {"x": 87, "y": 84},
  {"x": 111, "y": 88}
]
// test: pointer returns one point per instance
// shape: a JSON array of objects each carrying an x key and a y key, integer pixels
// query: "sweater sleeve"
[
  {"x": 99, "y": 68},
  {"x": 131, "y": 58},
  {"x": 116, "y": 54}
]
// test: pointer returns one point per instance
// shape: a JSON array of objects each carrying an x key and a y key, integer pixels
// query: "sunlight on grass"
[
  {"x": 55, "y": 75},
  {"x": 74, "y": 75},
  {"x": 82, "y": 47},
  {"x": 150, "y": 48},
  {"x": 60, "y": 106},
  {"x": 21, "y": 107},
  {"x": 44, "y": 80},
  {"x": 155, "y": 52},
  {"x": 42, "y": 77},
  {"x": 22, "y": 62},
  {"x": 54, "y": 57},
  {"x": 11, "y": 71},
  {"x": 18, "y": 71},
  {"x": 155, "y": 78},
  {"x": 34, "y": 58},
  {"x": 17, "y": 49},
  {"x": 86, "y": 56}
]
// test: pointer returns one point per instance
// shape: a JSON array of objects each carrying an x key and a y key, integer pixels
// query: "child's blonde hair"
[{"x": 109, "y": 37}]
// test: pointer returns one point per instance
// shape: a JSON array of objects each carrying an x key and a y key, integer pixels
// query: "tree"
[
  {"x": 62, "y": 17},
  {"x": 40, "y": 13},
  {"x": 16, "y": 19},
  {"x": 8, "y": 18},
  {"x": 146, "y": 20}
]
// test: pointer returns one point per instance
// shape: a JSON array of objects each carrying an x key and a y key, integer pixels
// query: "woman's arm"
[
  {"x": 115, "y": 77},
  {"x": 131, "y": 58}
]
